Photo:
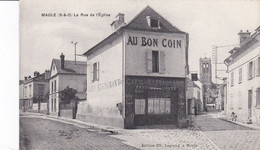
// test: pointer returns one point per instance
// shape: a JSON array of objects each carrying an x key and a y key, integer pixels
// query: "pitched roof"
[
  {"x": 70, "y": 67},
  {"x": 139, "y": 23},
  {"x": 243, "y": 46},
  {"x": 40, "y": 77}
]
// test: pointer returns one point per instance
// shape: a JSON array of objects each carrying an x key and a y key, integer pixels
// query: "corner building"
[{"x": 136, "y": 76}]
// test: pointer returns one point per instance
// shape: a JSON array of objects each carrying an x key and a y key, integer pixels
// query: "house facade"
[
  {"x": 66, "y": 73},
  {"x": 243, "y": 86},
  {"x": 137, "y": 74},
  {"x": 34, "y": 88},
  {"x": 194, "y": 97}
]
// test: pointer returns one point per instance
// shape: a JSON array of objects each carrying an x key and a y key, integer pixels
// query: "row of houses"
[
  {"x": 243, "y": 83},
  {"x": 136, "y": 76}
]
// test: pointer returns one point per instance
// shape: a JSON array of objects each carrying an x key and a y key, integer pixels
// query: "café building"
[{"x": 136, "y": 75}]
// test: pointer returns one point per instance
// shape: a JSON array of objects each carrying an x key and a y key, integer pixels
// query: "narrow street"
[
  {"x": 209, "y": 133},
  {"x": 227, "y": 135}
]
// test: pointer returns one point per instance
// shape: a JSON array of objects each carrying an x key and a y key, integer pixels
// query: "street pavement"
[
  {"x": 208, "y": 133},
  {"x": 227, "y": 135},
  {"x": 38, "y": 133}
]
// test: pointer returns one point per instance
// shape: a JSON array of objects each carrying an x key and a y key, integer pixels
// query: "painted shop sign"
[
  {"x": 107, "y": 85},
  {"x": 153, "y": 42},
  {"x": 154, "y": 82}
]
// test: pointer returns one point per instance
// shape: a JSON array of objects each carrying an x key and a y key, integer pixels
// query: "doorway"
[{"x": 250, "y": 96}]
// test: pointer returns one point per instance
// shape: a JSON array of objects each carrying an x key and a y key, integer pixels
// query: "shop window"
[
  {"x": 156, "y": 61},
  {"x": 232, "y": 79},
  {"x": 240, "y": 75},
  {"x": 139, "y": 106},
  {"x": 159, "y": 105},
  {"x": 95, "y": 72},
  {"x": 258, "y": 97}
]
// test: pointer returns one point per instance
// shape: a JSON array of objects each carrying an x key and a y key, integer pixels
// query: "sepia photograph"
[{"x": 147, "y": 74}]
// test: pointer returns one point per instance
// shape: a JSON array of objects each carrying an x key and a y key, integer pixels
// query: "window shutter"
[
  {"x": 257, "y": 70},
  {"x": 253, "y": 69},
  {"x": 248, "y": 71},
  {"x": 92, "y": 72},
  {"x": 149, "y": 61},
  {"x": 97, "y": 71},
  {"x": 162, "y": 62},
  {"x": 258, "y": 66}
]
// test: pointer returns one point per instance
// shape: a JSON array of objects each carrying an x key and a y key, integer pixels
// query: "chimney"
[
  {"x": 35, "y": 74},
  {"x": 243, "y": 35},
  {"x": 47, "y": 74},
  {"x": 120, "y": 20},
  {"x": 62, "y": 61},
  {"x": 25, "y": 78}
]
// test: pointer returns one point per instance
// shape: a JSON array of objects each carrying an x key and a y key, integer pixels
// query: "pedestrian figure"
[{"x": 233, "y": 117}]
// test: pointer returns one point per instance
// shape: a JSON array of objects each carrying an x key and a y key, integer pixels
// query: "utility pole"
[
  {"x": 75, "y": 46},
  {"x": 215, "y": 59}
]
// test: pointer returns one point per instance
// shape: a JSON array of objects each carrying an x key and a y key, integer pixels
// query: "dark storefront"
[{"x": 154, "y": 100}]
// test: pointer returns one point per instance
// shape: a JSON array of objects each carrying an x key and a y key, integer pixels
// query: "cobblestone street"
[
  {"x": 209, "y": 133},
  {"x": 44, "y": 134},
  {"x": 227, "y": 135}
]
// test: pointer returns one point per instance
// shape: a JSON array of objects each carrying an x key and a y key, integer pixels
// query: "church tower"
[
  {"x": 206, "y": 79},
  {"x": 205, "y": 71}
]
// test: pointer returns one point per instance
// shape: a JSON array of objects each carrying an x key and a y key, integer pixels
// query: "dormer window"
[{"x": 153, "y": 22}]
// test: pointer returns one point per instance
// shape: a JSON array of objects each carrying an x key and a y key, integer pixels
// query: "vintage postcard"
[{"x": 145, "y": 74}]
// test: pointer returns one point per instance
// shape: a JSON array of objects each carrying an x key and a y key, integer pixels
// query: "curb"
[
  {"x": 68, "y": 120},
  {"x": 240, "y": 124}
]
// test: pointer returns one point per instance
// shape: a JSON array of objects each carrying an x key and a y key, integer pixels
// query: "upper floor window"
[
  {"x": 153, "y": 22},
  {"x": 250, "y": 70},
  {"x": 52, "y": 87},
  {"x": 30, "y": 90},
  {"x": 240, "y": 75},
  {"x": 25, "y": 91},
  {"x": 156, "y": 61},
  {"x": 95, "y": 72},
  {"x": 55, "y": 85},
  {"x": 232, "y": 79},
  {"x": 258, "y": 66},
  {"x": 258, "y": 97}
]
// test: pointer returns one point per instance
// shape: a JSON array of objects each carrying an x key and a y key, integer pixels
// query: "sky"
[{"x": 209, "y": 23}]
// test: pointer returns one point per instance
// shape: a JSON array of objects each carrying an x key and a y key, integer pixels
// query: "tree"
[{"x": 67, "y": 95}]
